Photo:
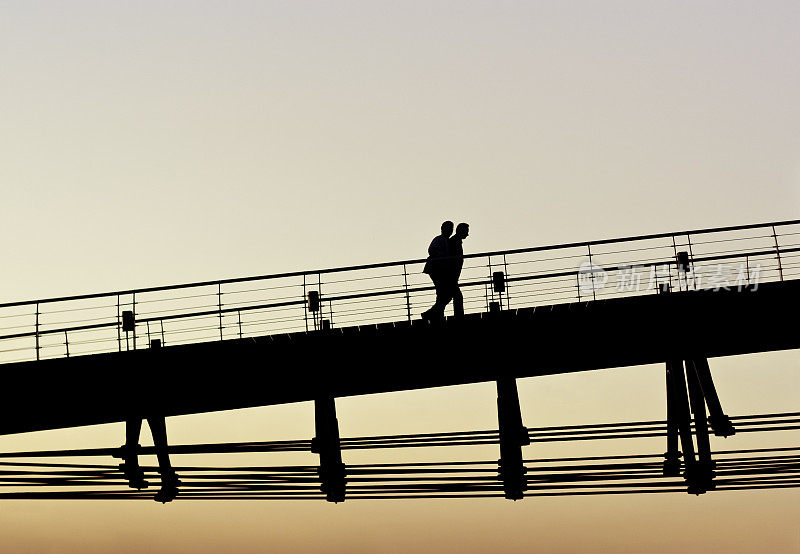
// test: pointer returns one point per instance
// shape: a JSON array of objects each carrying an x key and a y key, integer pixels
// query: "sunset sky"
[{"x": 154, "y": 143}]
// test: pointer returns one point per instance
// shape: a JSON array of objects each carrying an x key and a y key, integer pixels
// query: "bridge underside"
[{"x": 277, "y": 369}]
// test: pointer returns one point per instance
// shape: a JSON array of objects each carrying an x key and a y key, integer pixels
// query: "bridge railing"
[{"x": 397, "y": 291}]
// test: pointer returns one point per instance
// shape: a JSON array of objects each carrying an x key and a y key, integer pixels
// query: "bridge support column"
[
  {"x": 513, "y": 436},
  {"x": 672, "y": 457},
  {"x": 704, "y": 468},
  {"x": 682, "y": 420},
  {"x": 326, "y": 444}
]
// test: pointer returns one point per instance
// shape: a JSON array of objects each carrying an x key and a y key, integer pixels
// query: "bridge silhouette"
[{"x": 674, "y": 298}]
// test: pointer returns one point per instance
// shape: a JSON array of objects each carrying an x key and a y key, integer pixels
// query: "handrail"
[
  {"x": 401, "y": 290},
  {"x": 395, "y": 263}
]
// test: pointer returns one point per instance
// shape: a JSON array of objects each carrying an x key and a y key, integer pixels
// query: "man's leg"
[
  {"x": 458, "y": 301},
  {"x": 442, "y": 298}
]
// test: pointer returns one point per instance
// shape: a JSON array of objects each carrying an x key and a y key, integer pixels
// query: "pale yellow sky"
[{"x": 154, "y": 143}]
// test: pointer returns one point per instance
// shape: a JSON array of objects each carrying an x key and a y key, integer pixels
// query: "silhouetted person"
[
  {"x": 130, "y": 466},
  {"x": 455, "y": 263},
  {"x": 436, "y": 267}
]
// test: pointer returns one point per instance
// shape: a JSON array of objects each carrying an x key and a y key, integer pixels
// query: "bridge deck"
[{"x": 275, "y": 369}]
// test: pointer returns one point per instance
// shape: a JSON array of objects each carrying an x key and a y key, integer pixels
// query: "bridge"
[{"x": 676, "y": 298}]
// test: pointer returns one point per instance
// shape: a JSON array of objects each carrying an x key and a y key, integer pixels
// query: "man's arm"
[{"x": 438, "y": 247}]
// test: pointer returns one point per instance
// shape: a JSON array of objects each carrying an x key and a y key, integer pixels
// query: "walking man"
[{"x": 437, "y": 268}]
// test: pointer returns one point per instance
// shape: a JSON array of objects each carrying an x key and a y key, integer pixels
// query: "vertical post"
[
  {"x": 119, "y": 331},
  {"x": 578, "y": 283},
  {"x": 148, "y": 332},
  {"x": 305, "y": 302},
  {"x": 318, "y": 325},
  {"x": 505, "y": 271},
  {"x": 239, "y": 315},
  {"x": 672, "y": 464},
  {"x": 704, "y": 473},
  {"x": 163, "y": 342},
  {"x": 691, "y": 256},
  {"x": 778, "y": 252},
  {"x": 408, "y": 298},
  {"x": 490, "y": 280},
  {"x": 219, "y": 305},
  {"x": 683, "y": 416},
  {"x": 326, "y": 443},
  {"x": 133, "y": 308},
  {"x": 678, "y": 273},
  {"x": 513, "y": 436},
  {"x": 66, "y": 342},
  {"x": 591, "y": 270},
  {"x": 37, "y": 331}
]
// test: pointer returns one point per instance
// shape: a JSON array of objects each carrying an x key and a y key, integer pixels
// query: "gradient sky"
[{"x": 159, "y": 142}]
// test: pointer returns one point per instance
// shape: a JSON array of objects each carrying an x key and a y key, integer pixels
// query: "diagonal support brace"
[{"x": 720, "y": 423}]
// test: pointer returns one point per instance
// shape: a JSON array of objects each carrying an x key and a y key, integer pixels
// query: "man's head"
[
  {"x": 447, "y": 228},
  {"x": 462, "y": 231}
]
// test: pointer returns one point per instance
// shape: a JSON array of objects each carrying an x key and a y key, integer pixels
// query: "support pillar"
[
  {"x": 704, "y": 468},
  {"x": 513, "y": 436},
  {"x": 672, "y": 462},
  {"x": 326, "y": 444},
  {"x": 684, "y": 422},
  {"x": 720, "y": 423}
]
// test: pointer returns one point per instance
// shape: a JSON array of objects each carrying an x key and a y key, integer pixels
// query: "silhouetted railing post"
[
  {"x": 691, "y": 257},
  {"x": 408, "y": 297},
  {"x": 66, "y": 342},
  {"x": 119, "y": 330},
  {"x": 219, "y": 305},
  {"x": 505, "y": 270},
  {"x": 778, "y": 252},
  {"x": 163, "y": 341},
  {"x": 305, "y": 302},
  {"x": 591, "y": 270},
  {"x": 578, "y": 284},
  {"x": 37, "y": 331},
  {"x": 133, "y": 307},
  {"x": 239, "y": 315},
  {"x": 147, "y": 323}
]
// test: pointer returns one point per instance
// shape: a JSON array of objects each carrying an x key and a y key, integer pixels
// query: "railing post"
[
  {"x": 591, "y": 270},
  {"x": 219, "y": 305},
  {"x": 408, "y": 298},
  {"x": 37, "y": 331},
  {"x": 133, "y": 308},
  {"x": 239, "y": 314},
  {"x": 578, "y": 284},
  {"x": 691, "y": 257},
  {"x": 778, "y": 252},
  {"x": 305, "y": 302},
  {"x": 490, "y": 279},
  {"x": 505, "y": 270},
  {"x": 66, "y": 342},
  {"x": 163, "y": 341},
  {"x": 119, "y": 331}
]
